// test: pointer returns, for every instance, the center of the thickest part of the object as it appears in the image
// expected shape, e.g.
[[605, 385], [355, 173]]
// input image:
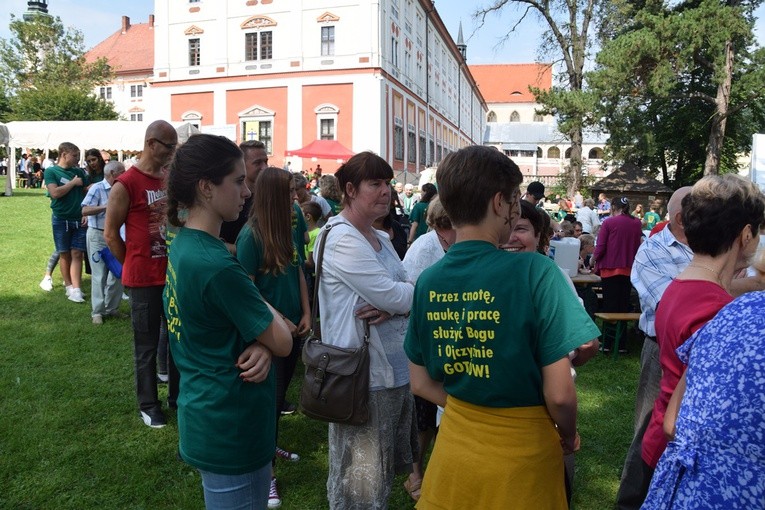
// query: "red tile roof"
[[130, 51], [509, 83]]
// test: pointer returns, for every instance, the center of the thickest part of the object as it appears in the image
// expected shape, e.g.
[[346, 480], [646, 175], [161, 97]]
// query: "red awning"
[[322, 149]]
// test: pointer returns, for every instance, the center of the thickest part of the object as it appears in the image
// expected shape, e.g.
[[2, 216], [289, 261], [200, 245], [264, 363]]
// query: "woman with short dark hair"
[[722, 217], [363, 279]]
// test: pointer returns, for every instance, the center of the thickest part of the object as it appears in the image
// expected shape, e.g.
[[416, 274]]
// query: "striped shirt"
[[658, 261], [98, 195]]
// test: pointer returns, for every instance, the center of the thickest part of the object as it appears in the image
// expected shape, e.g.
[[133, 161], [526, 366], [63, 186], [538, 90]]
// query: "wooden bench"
[[620, 320]]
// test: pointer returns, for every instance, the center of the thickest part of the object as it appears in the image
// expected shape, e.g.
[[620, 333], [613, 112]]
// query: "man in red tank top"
[[137, 200]]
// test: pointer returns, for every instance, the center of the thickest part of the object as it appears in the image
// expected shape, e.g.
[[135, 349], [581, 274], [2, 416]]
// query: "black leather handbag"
[[336, 383]]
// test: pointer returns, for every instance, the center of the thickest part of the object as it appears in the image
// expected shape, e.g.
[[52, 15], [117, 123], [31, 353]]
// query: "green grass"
[[70, 437]]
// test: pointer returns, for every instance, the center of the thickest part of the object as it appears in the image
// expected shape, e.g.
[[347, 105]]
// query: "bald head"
[[159, 128], [159, 146], [675, 205]]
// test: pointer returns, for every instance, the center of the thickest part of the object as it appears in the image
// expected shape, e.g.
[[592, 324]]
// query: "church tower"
[[35, 7]]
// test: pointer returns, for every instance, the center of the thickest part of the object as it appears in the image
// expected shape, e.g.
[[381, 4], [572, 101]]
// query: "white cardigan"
[[351, 273]]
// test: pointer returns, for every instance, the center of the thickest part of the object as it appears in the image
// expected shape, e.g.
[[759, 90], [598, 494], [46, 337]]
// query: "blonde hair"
[[436, 216]]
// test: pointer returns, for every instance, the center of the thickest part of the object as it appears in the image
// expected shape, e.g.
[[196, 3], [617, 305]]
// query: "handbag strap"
[[319, 259], [317, 279]]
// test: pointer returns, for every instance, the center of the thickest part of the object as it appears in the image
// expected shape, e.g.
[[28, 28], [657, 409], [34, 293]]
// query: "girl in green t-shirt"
[[222, 333], [266, 249]]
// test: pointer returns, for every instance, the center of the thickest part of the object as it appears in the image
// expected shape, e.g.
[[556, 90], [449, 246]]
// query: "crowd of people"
[[473, 330]]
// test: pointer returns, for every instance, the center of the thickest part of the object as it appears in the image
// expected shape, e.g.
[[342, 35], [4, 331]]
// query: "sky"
[[98, 19]]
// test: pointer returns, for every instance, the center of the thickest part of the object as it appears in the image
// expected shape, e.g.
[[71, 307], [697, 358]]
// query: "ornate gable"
[[193, 30], [258, 22], [327, 17], [256, 111]]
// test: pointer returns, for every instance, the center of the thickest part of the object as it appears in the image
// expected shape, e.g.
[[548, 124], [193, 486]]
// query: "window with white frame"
[[194, 52], [136, 117], [192, 117], [105, 92], [327, 41], [257, 123], [136, 91], [326, 121], [258, 45]]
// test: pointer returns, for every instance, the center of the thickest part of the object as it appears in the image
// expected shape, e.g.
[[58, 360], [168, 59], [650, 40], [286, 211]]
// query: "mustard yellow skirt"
[[494, 458]]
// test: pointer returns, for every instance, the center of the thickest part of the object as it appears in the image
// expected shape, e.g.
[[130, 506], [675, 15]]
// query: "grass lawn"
[[70, 436]]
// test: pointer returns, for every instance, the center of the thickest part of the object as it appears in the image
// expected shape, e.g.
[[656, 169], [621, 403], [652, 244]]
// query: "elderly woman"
[[330, 191], [364, 279], [510, 406], [721, 217], [720, 426], [426, 251]]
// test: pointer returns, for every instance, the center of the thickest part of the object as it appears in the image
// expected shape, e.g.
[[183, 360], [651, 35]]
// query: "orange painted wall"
[[340, 95], [201, 102], [274, 99]]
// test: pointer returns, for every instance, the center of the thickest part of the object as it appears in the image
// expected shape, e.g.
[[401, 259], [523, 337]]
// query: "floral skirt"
[[364, 459]]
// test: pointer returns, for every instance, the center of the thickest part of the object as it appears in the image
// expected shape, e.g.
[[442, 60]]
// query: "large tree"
[[681, 86], [42, 62], [567, 41]]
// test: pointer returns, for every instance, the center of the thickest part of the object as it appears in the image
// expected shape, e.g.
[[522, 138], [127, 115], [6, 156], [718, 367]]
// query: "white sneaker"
[[47, 284], [68, 290], [76, 296], [98, 319]]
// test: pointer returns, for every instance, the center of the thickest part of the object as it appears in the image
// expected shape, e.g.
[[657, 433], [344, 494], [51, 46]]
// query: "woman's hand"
[[570, 445], [254, 362], [372, 314], [304, 326]]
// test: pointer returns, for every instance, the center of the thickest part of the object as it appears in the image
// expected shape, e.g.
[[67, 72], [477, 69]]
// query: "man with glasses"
[[137, 200]]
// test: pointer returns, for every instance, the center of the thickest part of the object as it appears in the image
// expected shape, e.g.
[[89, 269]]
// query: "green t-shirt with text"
[[651, 219], [69, 206], [213, 310], [485, 322], [281, 290]]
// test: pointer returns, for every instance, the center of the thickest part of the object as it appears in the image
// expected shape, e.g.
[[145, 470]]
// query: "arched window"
[[515, 117], [553, 153], [568, 153], [538, 118], [492, 117], [595, 153], [539, 152]]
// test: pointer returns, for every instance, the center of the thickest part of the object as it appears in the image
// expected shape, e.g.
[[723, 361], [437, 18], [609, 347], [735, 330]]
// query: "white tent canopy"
[[109, 135]]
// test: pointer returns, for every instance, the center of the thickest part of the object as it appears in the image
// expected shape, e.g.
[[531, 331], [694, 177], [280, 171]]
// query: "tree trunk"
[[575, 162], [664, 170], [717, 132]]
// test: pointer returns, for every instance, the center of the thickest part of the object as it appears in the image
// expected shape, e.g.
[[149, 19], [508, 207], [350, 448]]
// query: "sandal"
[[413, 488]]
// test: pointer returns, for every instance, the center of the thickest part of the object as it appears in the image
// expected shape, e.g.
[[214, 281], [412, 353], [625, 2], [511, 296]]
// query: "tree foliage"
[[59, 103], [568, 41], [680, 87], [43, 63]]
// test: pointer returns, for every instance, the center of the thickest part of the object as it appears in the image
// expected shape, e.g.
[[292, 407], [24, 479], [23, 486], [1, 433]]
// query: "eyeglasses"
[[168, 146]]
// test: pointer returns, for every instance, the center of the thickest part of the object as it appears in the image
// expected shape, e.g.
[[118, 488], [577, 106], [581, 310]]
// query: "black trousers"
[[616, 293]]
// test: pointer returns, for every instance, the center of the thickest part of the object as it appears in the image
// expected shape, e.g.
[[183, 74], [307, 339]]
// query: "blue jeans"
[[68, 235], [237, 492]]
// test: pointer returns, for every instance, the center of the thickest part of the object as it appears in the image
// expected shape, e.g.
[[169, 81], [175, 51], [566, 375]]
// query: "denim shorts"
[[68, 235]]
